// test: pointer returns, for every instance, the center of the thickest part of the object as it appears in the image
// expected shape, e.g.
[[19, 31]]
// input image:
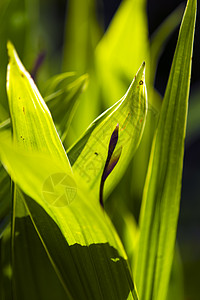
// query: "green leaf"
[[79, 239], [81, 229], [122, 49], [27, 247], [88, 155], [60, 90], [161, 198], [82, 33], [35, 130], [176, 285]]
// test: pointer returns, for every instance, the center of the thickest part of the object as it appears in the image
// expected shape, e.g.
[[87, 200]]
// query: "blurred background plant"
[[73, 36]]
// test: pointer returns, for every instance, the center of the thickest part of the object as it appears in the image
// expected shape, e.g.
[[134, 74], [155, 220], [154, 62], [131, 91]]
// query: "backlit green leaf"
[[122, 49], [31, 129], [80, 228], [79, 239], [161, 198], [88, 155]]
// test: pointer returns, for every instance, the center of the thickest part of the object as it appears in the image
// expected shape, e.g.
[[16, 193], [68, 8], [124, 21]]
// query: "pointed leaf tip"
[[11, 50], [111, 161], [113, 140]]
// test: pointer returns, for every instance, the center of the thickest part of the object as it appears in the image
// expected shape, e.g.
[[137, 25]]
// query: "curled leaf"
[[111, 161]]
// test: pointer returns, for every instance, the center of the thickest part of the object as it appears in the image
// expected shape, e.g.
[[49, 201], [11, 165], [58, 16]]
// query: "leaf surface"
[[79, 239], [161, 198], [88, 155]]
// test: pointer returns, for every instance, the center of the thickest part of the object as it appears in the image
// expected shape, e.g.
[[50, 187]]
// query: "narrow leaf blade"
[[161, 198]]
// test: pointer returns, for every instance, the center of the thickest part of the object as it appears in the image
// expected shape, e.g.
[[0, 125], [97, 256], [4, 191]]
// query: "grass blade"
[[160, 207]]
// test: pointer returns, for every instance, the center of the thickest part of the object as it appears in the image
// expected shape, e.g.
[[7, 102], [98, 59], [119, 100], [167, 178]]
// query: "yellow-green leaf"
[[88, 155], [161, 198]]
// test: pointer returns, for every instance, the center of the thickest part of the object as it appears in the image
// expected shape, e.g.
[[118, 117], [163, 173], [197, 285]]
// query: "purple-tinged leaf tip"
[[111, 161]]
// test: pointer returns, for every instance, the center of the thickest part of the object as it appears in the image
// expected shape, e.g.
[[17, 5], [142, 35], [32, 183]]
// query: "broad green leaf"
[[61, 88], [32, 160], [88, 155], [79, 239], [81, 228], [34, 130], [122, 49], [161, 198]]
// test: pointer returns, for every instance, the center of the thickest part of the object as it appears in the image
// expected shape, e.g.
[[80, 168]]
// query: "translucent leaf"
[[122, 49], [79, 239], [88, 155], [80, 228], [34, 130], [161, 198]]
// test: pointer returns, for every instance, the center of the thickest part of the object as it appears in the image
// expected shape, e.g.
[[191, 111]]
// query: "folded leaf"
[[89, 154]]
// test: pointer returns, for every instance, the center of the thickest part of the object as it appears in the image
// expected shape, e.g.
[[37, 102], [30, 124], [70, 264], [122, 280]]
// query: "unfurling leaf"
[[111, 161]]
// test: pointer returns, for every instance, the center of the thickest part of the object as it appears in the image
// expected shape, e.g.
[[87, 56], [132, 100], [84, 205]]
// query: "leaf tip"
[[10, 49], [111, 161]]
